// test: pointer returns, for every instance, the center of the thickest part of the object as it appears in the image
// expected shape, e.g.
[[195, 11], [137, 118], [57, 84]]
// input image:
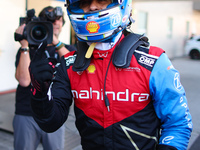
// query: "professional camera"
[[38, 29]]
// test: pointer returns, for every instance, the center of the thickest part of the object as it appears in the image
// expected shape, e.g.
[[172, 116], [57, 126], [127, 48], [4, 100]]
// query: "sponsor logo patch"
[[147, 60], [167, 139], [170, 67], [115, 20], [92, 27], [70, 60], [91, 68], [125, 18], [177, 82], [132, 69]]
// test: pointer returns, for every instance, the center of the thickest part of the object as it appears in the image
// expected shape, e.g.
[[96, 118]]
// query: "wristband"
[[59, 45]]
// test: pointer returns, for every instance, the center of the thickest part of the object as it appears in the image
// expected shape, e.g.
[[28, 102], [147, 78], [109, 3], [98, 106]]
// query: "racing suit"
[[147, 102]]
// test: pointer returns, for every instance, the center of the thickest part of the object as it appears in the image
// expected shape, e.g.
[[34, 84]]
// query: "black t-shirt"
[[22, 98]]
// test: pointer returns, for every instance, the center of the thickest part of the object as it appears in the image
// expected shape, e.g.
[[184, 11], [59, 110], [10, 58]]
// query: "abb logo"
[[116, 96]]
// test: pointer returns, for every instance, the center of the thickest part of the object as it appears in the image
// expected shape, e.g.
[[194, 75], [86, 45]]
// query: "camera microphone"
[[31, 13]]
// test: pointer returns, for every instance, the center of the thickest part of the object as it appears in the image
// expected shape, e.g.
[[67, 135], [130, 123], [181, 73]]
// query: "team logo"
[[91, 68], [92, 27], [115, 20], [177, 82]]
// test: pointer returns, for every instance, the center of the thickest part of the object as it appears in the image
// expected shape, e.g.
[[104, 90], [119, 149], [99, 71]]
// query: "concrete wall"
[[157, 25], [11, 11], [196, 5]]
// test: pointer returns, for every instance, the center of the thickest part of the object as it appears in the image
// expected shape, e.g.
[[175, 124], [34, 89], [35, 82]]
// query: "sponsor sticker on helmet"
[[125, 18], [115, 20], [92, 27]]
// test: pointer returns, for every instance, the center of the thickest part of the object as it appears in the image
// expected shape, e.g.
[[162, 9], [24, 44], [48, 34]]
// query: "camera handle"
[[18, 37]]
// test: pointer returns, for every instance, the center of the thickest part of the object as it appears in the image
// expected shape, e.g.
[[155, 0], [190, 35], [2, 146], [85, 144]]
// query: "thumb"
[[40, 51]]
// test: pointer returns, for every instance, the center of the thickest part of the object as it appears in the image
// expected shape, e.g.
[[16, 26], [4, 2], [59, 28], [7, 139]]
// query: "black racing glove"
[[41, 72]]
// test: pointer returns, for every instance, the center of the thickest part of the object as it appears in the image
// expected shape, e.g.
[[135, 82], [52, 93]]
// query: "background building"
[[167, 24]]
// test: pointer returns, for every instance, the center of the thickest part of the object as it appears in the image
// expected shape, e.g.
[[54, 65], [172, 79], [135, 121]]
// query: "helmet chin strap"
[[90, 50], [104, 45]]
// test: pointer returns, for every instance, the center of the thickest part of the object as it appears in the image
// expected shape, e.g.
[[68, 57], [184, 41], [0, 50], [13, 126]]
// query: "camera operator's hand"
[[41, 72], [19, 34]]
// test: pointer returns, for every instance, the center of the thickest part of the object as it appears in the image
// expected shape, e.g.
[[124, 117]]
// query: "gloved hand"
[[41, 72]]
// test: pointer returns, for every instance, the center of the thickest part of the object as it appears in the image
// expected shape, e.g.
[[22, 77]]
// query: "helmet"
[[102, 24]]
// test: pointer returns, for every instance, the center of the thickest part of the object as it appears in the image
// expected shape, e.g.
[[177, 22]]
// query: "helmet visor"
[[76, 6], [71, 1]]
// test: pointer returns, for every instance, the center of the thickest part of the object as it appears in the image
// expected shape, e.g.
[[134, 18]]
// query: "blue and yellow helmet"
[[99, 25]]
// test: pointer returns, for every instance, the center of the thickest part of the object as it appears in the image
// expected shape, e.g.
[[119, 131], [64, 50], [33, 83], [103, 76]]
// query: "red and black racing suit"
[[137, 112]]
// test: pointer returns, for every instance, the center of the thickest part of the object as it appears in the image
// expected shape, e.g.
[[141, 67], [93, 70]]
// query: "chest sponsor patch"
[[70, 60], [123, 104], [147, 60]]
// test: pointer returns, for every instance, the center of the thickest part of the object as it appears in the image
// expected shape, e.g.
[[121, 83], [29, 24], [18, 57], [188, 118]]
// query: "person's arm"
[[171, 106], [50, 110], [22, 73], [60, 47]]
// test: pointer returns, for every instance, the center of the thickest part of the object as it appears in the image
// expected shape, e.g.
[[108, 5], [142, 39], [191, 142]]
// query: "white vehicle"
[[192, 47]]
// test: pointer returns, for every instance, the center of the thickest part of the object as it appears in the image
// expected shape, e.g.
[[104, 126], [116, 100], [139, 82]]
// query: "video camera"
[[39, 29]]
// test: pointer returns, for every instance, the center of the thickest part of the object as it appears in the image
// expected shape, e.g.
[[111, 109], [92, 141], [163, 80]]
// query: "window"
[[170, 27], [187, 29], [142, 22]]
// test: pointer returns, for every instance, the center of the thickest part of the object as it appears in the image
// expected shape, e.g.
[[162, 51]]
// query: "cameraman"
[[27, 134]]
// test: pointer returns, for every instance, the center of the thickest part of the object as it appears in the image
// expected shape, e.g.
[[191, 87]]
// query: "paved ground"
[[7, 102], [190, 78]]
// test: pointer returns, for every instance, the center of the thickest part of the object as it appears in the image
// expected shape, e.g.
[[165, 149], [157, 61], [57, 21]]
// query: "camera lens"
[[39, 32]]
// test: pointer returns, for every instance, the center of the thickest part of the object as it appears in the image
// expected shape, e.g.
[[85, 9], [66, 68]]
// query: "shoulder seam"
[[149, 55]]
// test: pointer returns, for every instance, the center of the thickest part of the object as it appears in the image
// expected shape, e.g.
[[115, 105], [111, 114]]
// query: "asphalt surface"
[[190, 79], [7, 104]]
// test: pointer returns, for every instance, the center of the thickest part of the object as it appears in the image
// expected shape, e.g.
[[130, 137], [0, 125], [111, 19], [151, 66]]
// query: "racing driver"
[[127, 94]]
